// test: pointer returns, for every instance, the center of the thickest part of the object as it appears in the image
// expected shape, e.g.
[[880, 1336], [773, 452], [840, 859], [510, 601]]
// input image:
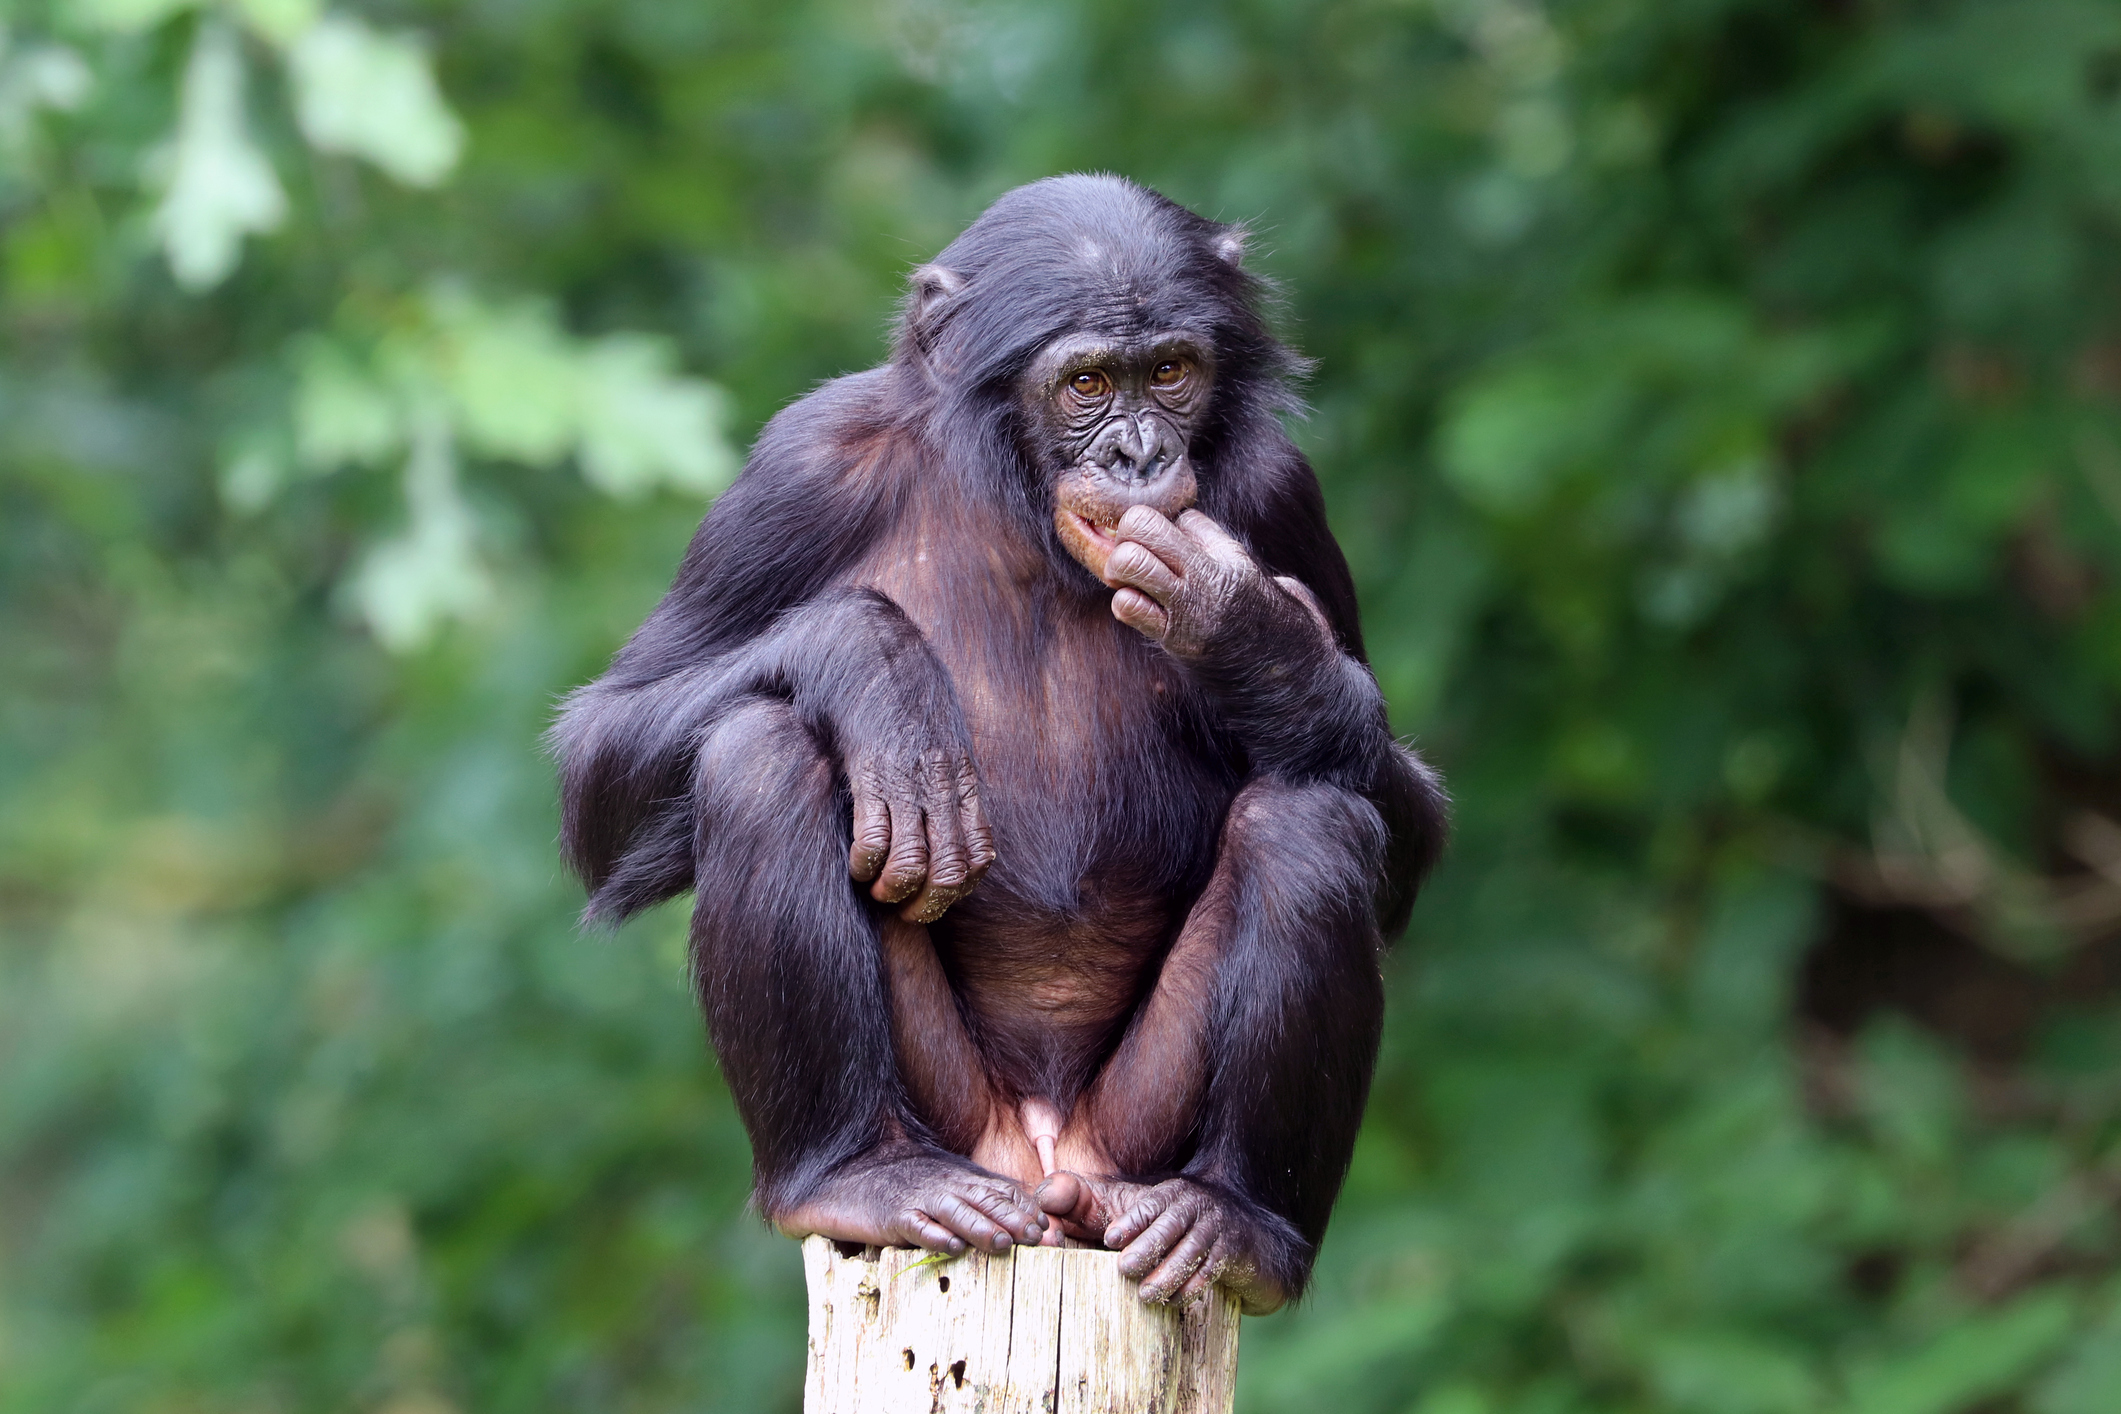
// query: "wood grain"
[[1043, 1330]]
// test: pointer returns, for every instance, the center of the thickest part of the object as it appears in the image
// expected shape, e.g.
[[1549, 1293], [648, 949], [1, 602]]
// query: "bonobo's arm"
[[865, 682], [755, 611], [1270, 655]]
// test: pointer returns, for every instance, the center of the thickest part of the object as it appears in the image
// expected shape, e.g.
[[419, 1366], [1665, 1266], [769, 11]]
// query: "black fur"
[[713, 753]]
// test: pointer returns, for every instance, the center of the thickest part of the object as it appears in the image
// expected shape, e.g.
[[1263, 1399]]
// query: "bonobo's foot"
[[1176, 1237], [919, 1200]]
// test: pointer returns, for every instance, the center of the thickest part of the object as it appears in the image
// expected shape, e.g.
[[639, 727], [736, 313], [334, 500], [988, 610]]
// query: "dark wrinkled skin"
[[1009, 723]]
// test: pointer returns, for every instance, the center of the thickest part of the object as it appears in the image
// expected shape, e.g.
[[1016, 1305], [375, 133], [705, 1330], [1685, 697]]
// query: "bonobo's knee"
[[1311, 848], [761, 762]]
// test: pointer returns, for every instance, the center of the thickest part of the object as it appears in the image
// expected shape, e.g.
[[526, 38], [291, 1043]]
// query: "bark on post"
[[1043, 1330]]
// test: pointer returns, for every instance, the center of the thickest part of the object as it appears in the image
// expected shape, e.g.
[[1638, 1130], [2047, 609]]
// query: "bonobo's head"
[[1112, 341], [1113, 421]]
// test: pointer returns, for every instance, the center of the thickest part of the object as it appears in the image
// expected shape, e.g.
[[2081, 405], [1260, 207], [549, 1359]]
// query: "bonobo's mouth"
[[1091, 543], [1087, 508]]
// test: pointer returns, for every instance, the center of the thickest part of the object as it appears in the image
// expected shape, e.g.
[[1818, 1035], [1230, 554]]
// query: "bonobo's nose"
[[1136, 452], [1137, 468]]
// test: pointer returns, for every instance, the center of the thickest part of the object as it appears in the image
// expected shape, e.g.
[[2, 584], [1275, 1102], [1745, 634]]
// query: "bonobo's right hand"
[[918, 829]]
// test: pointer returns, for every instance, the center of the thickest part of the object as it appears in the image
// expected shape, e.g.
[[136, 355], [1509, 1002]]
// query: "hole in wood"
[[909, 1357], [942, 1283], [849, 1250], [957, 1372]]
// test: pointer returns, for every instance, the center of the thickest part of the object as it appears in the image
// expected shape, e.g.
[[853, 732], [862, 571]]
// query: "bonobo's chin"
[[1087, 506]]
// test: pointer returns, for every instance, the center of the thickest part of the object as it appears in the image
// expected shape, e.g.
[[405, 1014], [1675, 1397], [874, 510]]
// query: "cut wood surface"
[[1043, 1330]]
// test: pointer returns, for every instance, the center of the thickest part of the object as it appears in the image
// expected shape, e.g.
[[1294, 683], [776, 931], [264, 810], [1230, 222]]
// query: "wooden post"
[[1043, 1330]]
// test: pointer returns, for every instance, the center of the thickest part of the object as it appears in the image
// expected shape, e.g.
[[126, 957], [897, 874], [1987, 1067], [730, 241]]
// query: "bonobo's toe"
[[1076, 1205]]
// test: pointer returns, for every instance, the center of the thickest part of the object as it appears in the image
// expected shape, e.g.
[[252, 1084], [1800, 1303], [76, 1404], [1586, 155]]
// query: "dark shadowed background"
[[1720, 403]]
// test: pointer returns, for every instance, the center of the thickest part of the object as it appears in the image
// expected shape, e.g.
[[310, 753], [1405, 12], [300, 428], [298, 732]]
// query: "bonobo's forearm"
[[1304, 710], [850, 662], [858, 670], [859, 675]]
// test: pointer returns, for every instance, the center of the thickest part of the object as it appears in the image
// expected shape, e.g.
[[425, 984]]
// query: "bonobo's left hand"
[[1195, 589]]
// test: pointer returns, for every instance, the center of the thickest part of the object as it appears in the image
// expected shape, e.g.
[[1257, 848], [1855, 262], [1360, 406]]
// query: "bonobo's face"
[[1112, 421]]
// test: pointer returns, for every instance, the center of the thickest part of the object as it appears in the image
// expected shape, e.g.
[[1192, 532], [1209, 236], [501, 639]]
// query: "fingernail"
[[1001, 1243]]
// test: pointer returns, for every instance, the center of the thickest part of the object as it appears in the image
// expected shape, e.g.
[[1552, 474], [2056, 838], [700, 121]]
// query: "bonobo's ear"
[[1230, 246], [933, 287]]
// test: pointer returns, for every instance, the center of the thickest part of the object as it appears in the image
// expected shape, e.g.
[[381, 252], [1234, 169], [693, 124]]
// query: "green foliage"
[[1720, 403]]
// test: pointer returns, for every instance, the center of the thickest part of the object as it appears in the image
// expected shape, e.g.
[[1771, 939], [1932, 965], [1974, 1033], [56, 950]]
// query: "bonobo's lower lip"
[[1099, 535], [1089, 542]]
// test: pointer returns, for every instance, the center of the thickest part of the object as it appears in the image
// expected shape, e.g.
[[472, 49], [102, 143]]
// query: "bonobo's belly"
[[1063, 938], [1104, 808]]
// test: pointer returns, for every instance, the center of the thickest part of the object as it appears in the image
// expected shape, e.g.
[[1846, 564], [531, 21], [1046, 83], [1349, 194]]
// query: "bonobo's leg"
[[1231, 1107], [791, 976]]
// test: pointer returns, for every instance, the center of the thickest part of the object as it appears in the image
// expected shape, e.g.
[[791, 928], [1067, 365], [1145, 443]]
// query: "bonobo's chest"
[[1100, 774]]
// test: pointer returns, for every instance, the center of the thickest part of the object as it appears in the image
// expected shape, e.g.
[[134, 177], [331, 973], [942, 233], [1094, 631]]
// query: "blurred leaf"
[[217, 187], [1968, 1363], [341, 413], [373, 96], [410, 585], [1726, 1374], [2088, 1379], [642, 426], [513, 377]]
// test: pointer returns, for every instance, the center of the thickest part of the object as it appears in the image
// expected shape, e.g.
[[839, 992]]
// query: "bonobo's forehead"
[[1087, 254]]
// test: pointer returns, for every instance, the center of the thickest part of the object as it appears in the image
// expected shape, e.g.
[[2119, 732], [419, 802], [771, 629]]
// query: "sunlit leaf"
[[125, 15], [411, 584], [514, 377], [217, 187], [643, 426], [373, 95], [279, 20], [342, 413]]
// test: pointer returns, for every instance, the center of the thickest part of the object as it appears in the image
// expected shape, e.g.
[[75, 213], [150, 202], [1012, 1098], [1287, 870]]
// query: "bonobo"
[[1009, 721]]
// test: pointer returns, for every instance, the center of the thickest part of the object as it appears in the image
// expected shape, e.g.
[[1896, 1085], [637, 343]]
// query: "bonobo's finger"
[[1147, 527], [1143, 1211], [906, 868], [1135, 564], [872, 832], [1155, 1242], [1198, 1284], [1185, 1258], [932, 902], [979, 840], [1008, 1209], [947, 873], [1203, 531], [969, 1223], [949, 860], [1141, 613], [921, 1230]]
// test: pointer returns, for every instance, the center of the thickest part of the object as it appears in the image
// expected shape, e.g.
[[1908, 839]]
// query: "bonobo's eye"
[[1090, 384], [1169, 374]]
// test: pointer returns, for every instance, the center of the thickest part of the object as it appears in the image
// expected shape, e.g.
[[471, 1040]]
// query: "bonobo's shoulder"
[[844, 421], [807, 502]]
